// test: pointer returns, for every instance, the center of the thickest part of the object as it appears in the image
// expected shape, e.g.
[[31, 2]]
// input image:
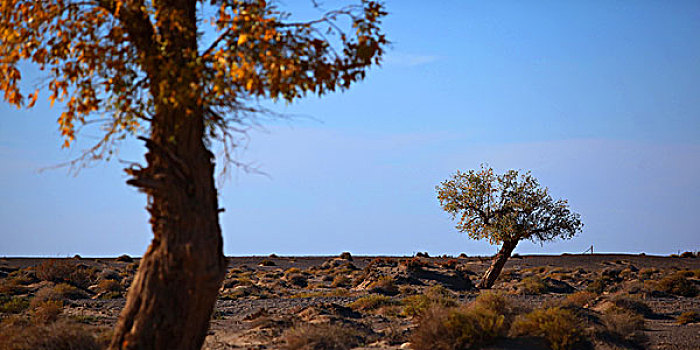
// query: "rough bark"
[[497, 264], [171, 299]]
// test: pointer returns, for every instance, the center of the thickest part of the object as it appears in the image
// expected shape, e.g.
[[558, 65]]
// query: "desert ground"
[[601, 301]]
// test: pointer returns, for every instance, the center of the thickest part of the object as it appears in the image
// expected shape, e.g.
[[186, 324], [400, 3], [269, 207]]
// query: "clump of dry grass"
[[341, 281], [688, 317], [58, 292], [532, 285], [677, 284], [65, 271], [384, 285], [321, 337], [20, 334], [631, 304], [47, 311], [372, 302], [580, 299], [109, 285], [623, 324], [13, 305], [559, 327], [442, 328]]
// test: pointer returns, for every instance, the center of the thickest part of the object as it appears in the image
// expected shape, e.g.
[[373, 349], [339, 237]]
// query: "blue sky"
[[600, 99]]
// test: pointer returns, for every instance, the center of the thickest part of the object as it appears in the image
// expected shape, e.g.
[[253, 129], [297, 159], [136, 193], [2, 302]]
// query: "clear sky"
[[600, 99]]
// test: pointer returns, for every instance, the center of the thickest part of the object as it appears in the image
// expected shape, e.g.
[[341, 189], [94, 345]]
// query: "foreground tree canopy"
[[505, 209], [179, 74]]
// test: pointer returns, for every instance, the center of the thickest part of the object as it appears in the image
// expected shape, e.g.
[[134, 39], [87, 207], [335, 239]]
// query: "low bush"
[[677, 284], [384, 285], [443, 328], [341, 281], [372, 302], [580, 299], [109, 285], [125, 258], [65, 271], [19, 335], [12, 286], [688, 255], [532, 285], [58, 292], [631, 304], [321, 337], [599, 285], [267, 262], [346, 256], [14, 305], [688, 317], [624, 324], [47, 311], [560, 328]]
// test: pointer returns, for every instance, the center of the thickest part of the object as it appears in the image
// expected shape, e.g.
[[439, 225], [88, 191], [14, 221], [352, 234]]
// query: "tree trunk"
[[170, 301], [497, 264]]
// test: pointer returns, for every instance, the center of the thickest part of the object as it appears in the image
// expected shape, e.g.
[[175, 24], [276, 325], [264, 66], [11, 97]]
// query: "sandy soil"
[[260, 304]]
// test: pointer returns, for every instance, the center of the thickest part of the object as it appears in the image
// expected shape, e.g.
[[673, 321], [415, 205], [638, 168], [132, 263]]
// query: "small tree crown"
[[506, 208]]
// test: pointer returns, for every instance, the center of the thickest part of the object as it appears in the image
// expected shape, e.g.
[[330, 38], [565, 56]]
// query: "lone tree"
[[182, 76], [505, 209]]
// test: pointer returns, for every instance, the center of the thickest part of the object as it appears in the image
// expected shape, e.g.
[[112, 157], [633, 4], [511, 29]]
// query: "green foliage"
[[559, 327], [508, 207]]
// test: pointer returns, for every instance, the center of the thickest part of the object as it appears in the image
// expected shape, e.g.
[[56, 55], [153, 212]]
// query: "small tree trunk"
[[497, 264]]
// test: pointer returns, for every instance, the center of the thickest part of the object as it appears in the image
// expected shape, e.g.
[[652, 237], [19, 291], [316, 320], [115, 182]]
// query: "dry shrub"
[[321, 337], [631, 304], [297, 280], [437, 295], [559, 327], [65, 271], [580, 299], [677, 284], [384, 285], [346, 256], [371, 302], [267, 262], [12, 286], [599, 285], [19, 335], [624, 324], [341, 281], [109, 285], [13, 305], [533, 285], [443, 328], [47, 311], [58, 292], [688, 317]]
